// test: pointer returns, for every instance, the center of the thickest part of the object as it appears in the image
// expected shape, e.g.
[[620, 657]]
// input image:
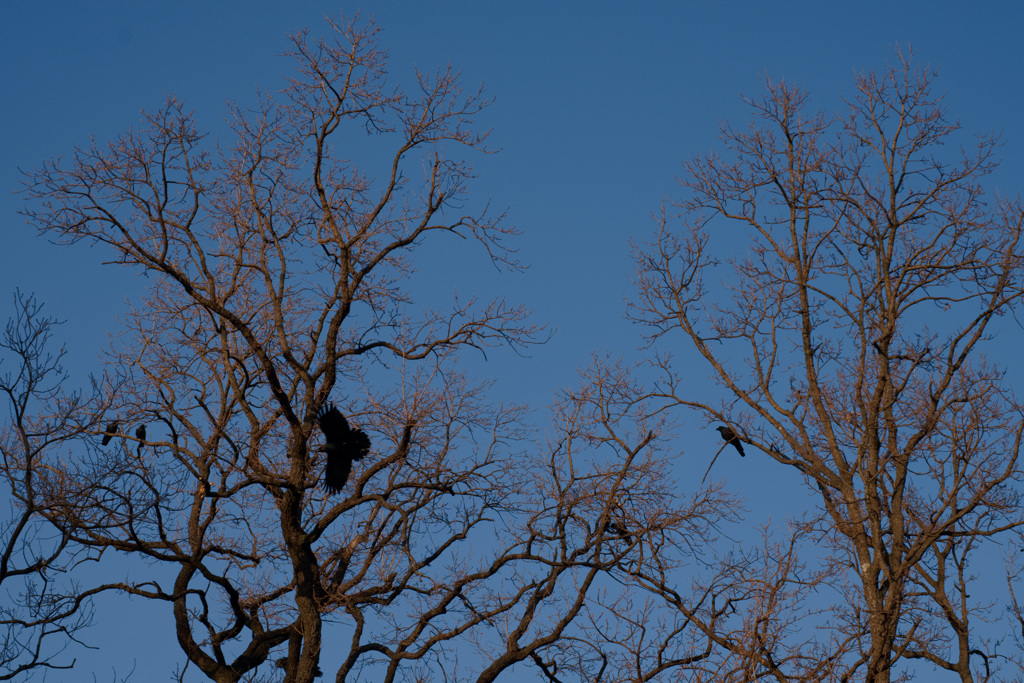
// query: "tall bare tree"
[[278, 273], [277, 265], [849, 339]]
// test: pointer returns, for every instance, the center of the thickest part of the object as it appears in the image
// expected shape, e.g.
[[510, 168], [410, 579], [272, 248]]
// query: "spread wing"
[[343, 445], [358, 444], [336, 473], [333, 424]]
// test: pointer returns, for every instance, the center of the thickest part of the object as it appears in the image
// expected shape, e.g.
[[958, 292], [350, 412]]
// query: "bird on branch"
[[140, 434], [730, 438], [343, 446], [112, 429], [618, 529]]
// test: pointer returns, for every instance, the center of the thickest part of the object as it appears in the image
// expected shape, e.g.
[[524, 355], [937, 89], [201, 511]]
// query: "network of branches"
[[286, 450]]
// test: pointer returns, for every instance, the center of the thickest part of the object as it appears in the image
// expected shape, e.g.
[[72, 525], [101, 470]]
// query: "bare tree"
[[278, 273], [277, 265], [42, 613], [849, 343], [610, 526]]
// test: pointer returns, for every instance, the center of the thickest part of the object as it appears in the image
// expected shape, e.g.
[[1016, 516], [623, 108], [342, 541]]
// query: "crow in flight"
[[730, 437], [140, 434], [342, 444], [112, 429]]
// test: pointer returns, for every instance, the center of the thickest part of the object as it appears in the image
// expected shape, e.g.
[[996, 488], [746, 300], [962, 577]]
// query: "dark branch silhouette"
[[343, 445], [112, 430], [983, 656], [730, 437], [548, 668], [282, 663]]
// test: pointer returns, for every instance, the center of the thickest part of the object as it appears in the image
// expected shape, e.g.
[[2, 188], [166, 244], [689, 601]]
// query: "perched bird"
[[112, 429], [342, 444], [140, 434], [618, 529], [730, 437]]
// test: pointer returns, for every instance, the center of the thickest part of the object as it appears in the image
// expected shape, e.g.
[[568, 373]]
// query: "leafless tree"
[[41, 614], [278, 272], [277, 265], [848, 341], [611, 517]]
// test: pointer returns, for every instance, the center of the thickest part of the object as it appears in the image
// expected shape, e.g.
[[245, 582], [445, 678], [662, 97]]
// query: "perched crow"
[[112, 429], [343, 445], [140, 434], [618, 529], [730, 437]]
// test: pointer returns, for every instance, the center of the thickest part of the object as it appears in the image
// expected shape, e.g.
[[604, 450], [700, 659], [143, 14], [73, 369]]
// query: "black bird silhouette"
[[140, 434], [730, 437], [112, 429], [618, 529], [343, 445]]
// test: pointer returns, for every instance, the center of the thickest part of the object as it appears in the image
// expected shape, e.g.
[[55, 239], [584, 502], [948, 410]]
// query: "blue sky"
[[596, 105]]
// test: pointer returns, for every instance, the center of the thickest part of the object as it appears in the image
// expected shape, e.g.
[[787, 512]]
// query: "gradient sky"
[[597, 103]]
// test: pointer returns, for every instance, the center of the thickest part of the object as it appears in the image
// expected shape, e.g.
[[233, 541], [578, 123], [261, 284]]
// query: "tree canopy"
[[308, 477]]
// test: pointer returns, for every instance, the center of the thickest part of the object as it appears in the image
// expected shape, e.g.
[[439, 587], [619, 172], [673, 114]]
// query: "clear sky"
[[596, 105]]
